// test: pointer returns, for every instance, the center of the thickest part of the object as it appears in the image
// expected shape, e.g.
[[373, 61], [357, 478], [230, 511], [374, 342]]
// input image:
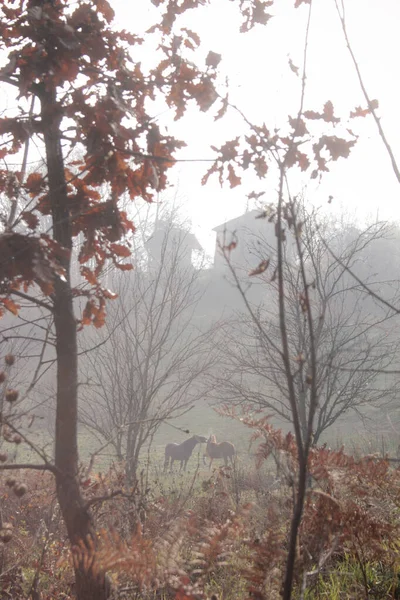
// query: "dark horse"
[[182, 451], [223, 450]]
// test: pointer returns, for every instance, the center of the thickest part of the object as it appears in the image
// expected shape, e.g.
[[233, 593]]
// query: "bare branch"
[[370, 104], [32, 299], [19, 466]]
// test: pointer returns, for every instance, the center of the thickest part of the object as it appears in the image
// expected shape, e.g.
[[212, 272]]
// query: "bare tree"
[[149, 369], [354, 338]]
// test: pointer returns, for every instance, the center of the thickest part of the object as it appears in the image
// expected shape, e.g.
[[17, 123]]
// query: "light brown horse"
[[182, 452], [223, 450]]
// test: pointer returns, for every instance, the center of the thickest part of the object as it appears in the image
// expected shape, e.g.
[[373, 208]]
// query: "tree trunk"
[[118, 448], [294, 532], [131, 455], [76, 516]]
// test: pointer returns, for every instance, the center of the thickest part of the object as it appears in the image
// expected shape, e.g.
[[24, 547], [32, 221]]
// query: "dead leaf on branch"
[[11, 306], [359, 112], [294, 156], [105, 216], [193, 36], [213, 169], [233, 179], [228, 151], [105, 9], [260, 166], [35, 184], [256, 196], [17, 130], [293, 67], [213, 59], [255, 14], [123, 266], [263, 266], [30, 219], [299, 127], [94, 313], [205, 94], [223, 109], [231, 246], [109, 294], [327, 114], [363, 112], [337, 148], [89, 275], [302, 161], [120, 250], [29, 258]]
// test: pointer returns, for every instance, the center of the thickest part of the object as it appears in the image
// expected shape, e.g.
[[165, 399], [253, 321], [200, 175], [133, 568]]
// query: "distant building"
[[173, 240], [249, 233]]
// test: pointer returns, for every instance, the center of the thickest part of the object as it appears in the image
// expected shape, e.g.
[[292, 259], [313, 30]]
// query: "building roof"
[[187, 238], [244, 219]]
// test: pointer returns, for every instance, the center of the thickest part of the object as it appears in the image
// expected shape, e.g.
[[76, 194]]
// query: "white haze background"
[[262, 85]]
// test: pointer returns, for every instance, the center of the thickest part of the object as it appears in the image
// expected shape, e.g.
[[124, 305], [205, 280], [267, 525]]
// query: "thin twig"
[[14, 201], [106, 497], [370, 104], [359, 281], [41, 467], [31, 299]]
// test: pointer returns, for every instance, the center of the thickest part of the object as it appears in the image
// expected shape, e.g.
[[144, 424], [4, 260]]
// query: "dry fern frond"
[[168, 552], [148, 565], [215, 547], [111, 553], [265, 565]]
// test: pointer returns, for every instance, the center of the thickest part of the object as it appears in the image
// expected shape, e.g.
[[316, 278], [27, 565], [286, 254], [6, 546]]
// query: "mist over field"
[[199, 300]]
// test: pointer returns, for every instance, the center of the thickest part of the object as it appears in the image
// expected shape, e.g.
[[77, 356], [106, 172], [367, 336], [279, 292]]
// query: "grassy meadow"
[[224, 530]]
